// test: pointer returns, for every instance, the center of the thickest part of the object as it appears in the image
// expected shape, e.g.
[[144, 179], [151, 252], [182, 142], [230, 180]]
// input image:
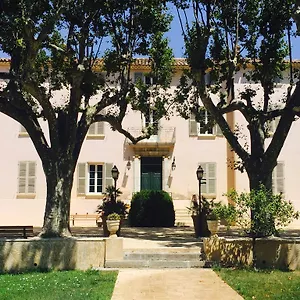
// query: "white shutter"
[[26, 177], [81, 175], [217, 130], [100, 128], [31, 177], [193, 126], [209, 185], [92, 129], [211, 178], [22, 129], [108, 178], [278, 178], [22, 177]]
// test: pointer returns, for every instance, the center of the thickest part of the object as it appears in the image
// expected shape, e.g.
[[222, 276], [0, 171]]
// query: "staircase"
[[183, 217], [157, 258]]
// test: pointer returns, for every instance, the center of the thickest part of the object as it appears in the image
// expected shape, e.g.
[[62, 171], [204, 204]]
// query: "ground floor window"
[[95, 179]]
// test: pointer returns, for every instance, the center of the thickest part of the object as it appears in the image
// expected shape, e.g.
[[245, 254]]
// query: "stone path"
[[170, 284]]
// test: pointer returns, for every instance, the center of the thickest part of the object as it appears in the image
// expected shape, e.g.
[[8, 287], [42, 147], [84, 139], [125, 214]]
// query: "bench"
[[16, 231], [85, 217]]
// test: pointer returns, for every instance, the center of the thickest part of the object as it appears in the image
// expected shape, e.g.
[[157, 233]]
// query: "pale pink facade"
[[177, 140]]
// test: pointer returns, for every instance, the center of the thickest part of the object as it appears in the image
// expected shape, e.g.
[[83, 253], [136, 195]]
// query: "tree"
[[56, 45], [222, 39]]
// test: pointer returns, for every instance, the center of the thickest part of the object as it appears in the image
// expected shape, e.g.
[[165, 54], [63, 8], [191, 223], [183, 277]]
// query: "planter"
[[113, 226], [105, 229], [213, 226], [197, 225]]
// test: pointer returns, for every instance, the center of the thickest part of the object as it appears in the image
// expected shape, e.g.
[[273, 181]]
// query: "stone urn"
[[113, 227], [213, 226]]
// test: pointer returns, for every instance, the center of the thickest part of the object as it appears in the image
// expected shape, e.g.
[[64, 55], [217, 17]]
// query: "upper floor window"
[[203, 125], [22, 131], [151, 119], [96, 131], [139, 76]]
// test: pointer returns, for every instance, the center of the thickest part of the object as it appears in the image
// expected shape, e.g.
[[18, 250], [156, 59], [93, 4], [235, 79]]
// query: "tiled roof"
[[142, 63]]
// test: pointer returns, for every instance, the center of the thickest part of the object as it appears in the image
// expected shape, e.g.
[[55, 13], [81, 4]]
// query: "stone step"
[[154, 264], [163, 256]]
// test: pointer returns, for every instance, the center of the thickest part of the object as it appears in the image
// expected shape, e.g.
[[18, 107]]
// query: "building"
[[168, 160]]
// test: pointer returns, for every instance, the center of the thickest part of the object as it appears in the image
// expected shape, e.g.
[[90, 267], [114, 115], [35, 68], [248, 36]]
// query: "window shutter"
[[31, 176], [209, 185], [211, 178], [108, 179], [193, 126], [81, 184], [278, 178], [217, 130], [22, 129], [100, 128], [92, 129], [138, 76], [22, 177]]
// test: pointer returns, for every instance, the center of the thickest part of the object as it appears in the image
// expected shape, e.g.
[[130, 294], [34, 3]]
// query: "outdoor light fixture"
[[128, 165], [173, 164], [115, 175], [199, 173]]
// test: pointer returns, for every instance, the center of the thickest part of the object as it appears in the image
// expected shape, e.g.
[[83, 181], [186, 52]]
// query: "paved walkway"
[[170, 284]]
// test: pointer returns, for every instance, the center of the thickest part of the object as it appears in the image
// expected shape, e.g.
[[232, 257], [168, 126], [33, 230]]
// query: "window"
[[139, 76], [278, 178], [27, 177], [93, 178], [210, 178], [96, 131], [272, 126], [203, 127], [151, 119]]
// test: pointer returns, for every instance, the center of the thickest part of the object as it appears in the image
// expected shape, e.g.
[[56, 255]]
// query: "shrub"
[[151, 209], [260, 213], [113, 217]]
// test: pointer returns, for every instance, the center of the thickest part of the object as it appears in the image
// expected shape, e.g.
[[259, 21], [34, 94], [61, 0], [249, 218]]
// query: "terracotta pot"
[[113, 226]]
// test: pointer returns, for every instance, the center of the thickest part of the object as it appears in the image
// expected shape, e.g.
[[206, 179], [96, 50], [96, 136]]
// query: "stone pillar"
[[136, 173], [165, 172]]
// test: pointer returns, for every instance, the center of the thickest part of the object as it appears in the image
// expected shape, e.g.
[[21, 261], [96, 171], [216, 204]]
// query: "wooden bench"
[[16, 231], [85, 217]]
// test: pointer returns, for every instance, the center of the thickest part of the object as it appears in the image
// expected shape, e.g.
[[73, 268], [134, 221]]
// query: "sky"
[[177, 44]]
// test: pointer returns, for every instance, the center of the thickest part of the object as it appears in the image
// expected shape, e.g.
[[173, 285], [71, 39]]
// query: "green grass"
[[257, 285], [58, 285]]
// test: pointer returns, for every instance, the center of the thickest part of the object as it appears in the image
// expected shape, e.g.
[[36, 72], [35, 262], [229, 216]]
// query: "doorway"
[[151, 173]]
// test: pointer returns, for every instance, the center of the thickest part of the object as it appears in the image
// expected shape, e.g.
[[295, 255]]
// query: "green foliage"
[[209, 207], [110, 206], [68, 285], [260, 213], [114, 216], [151, 209]]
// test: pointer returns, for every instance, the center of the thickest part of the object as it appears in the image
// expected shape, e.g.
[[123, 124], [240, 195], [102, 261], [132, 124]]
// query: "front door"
[[151, 173]]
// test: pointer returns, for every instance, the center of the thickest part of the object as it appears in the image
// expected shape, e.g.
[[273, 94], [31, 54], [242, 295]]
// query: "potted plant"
[[113, 224], [205, 216], [109, 206]]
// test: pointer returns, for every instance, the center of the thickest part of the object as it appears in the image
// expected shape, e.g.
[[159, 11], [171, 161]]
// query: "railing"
[[165, 135]]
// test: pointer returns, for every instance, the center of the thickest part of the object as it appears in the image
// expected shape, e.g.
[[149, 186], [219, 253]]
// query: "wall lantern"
[[173, 166]]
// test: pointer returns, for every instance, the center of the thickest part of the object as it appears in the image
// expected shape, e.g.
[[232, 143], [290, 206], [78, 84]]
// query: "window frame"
[[207, 178], [27, 193]]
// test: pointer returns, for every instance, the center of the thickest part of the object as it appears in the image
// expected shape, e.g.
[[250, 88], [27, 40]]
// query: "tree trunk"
[[59, 177]]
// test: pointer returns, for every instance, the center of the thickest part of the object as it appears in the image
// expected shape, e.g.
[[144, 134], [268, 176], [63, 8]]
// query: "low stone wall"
[[57, 253], [280, 253]]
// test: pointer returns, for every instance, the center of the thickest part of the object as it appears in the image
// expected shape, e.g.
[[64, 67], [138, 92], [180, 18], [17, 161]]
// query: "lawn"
[[58, 285], [253, 284]]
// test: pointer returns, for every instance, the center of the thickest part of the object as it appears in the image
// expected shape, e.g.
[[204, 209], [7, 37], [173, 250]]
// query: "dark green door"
[[151, 173]]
